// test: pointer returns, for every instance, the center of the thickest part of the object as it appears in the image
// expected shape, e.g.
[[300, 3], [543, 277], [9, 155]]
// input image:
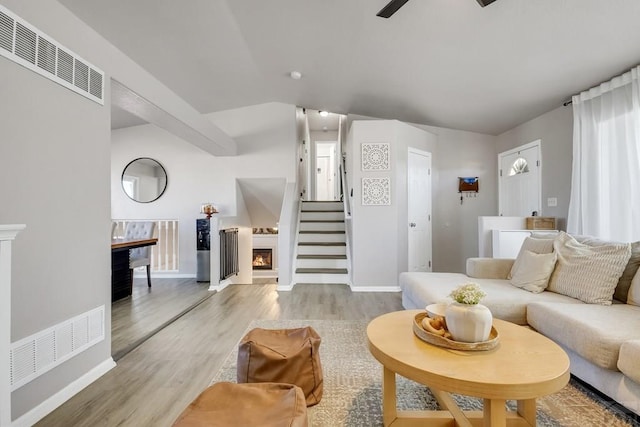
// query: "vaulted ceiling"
[[446, 63]]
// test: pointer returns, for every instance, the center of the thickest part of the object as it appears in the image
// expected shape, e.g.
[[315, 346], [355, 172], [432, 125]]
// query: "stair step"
[[321, 210], [322, 216], [321, 270], [321, 220], [322, 256], [321, 231], [315, 249], [319, 225], [316, 283], [322, 244]]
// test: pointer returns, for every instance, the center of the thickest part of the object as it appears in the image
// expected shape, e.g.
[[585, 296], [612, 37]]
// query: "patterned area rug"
[[353, 394]]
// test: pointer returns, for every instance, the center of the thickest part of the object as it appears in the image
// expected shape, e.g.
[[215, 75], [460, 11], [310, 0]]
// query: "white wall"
[[455, 225], [266, 137], [54, 177], [379, 242], [555, 130]]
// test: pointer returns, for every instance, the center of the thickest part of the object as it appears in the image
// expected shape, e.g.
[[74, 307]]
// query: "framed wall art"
[[376, 156], [376, 191]]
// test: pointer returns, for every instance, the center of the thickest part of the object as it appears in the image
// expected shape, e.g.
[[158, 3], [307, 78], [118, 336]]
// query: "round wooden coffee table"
[[523, 366]]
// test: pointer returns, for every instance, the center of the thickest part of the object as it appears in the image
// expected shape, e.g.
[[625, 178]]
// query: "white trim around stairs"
[[49, 405]]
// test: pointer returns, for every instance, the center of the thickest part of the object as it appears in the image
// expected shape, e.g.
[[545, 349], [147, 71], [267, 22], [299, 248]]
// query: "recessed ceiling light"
[[296, 75], [324, 113]]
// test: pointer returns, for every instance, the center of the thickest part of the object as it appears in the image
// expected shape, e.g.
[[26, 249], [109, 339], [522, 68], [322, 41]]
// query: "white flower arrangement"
[[469, 293]]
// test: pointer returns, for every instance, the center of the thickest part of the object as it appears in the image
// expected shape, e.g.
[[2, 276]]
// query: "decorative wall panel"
[[376, 191], [376, 156]]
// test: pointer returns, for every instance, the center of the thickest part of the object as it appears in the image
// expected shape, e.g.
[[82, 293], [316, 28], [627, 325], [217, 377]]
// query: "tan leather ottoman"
[[246, 405], [282, 356]]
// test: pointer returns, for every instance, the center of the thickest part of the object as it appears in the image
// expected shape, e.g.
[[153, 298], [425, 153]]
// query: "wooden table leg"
[[389, 403], [527, 410], [495, 413]]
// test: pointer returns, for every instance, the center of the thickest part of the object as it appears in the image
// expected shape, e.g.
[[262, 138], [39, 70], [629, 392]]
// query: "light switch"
[[552, 201]]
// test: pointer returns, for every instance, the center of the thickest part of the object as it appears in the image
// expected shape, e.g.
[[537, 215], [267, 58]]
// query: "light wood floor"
[[153, 383], [148, 310]]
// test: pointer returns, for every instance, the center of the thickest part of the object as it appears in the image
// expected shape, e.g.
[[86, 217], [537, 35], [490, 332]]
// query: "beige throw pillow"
[[534, 271], [622, 289], [633, 297], [588, 273], [537, 246]]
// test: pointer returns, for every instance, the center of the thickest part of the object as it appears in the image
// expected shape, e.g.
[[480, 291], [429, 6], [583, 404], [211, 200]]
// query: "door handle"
[[412, 224]]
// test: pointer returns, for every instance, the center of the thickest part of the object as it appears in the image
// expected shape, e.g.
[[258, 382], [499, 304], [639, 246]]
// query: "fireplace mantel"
[[7, 234]]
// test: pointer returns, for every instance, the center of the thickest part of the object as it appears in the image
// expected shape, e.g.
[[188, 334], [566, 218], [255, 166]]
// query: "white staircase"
[[322, 247]]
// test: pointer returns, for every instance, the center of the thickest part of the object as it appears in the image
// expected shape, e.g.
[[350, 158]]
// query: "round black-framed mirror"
[[144, 180]]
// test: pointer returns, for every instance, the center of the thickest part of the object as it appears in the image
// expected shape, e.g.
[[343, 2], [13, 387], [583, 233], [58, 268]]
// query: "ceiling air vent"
[[6, 32], [26, 45]]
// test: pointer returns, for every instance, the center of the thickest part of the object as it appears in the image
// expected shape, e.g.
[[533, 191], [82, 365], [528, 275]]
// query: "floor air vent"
[[29, 47], [34, 355]]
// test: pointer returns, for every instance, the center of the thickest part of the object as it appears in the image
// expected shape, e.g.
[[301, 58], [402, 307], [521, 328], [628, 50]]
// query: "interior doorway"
[[326, 170], [419, 210], [519, 181], [320, 154]]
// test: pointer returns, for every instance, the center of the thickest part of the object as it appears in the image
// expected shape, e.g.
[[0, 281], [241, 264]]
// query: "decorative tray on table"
[[441, 341]]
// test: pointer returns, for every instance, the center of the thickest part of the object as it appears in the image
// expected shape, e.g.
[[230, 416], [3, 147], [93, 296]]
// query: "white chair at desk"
[[139, 257]]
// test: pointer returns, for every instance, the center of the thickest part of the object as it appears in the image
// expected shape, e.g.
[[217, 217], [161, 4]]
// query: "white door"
[[326, 170], [519, 181], [323, 180], [419, 210]]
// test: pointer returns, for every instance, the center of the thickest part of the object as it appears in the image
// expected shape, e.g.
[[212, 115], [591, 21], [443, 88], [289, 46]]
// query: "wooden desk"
[[525, 365], [121, 274]]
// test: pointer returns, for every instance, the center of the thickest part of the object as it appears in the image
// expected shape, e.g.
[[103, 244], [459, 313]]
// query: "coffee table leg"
[[495, 413], [389, 404], [527, 410]]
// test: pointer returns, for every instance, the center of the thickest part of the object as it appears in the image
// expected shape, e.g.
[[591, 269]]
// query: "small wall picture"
[[468, 184], [376, 156], [376, 191]]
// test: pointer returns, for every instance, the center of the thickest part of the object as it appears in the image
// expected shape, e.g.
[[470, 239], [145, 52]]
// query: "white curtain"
[[605, 185]]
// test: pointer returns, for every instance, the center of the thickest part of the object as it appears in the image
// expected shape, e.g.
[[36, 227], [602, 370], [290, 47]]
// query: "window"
[[518, 167]]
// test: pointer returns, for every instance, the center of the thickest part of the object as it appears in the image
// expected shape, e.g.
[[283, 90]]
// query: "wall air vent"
[[39, 353], [26, 45]]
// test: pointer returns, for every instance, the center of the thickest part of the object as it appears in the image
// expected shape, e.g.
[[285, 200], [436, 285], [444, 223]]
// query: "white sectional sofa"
[[602, 341]]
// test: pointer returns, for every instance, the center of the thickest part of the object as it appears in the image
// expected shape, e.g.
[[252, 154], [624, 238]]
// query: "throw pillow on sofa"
[[630, 270], [588, 273], [537, 246], [633, 297], [534, 271]]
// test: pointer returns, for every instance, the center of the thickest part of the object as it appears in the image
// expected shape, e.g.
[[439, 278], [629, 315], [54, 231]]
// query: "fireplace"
[[262, 259]]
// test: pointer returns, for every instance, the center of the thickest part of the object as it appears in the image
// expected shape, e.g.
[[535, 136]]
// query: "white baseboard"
[[285, 288], [375, 288], [49, 405], [220, 286]]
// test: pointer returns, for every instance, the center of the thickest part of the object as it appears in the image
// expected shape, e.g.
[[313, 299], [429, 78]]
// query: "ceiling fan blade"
[[391, 8], [484, 3]]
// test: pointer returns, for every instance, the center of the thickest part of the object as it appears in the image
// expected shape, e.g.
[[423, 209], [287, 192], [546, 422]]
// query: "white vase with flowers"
[[467, 319]]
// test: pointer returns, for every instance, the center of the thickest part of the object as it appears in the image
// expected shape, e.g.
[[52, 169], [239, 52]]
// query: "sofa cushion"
[[588, 273], [505, 301], [628, 360], [489, 268], [538, 246], [633, 297], [593, 331], [630, 270], [534, 271]]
